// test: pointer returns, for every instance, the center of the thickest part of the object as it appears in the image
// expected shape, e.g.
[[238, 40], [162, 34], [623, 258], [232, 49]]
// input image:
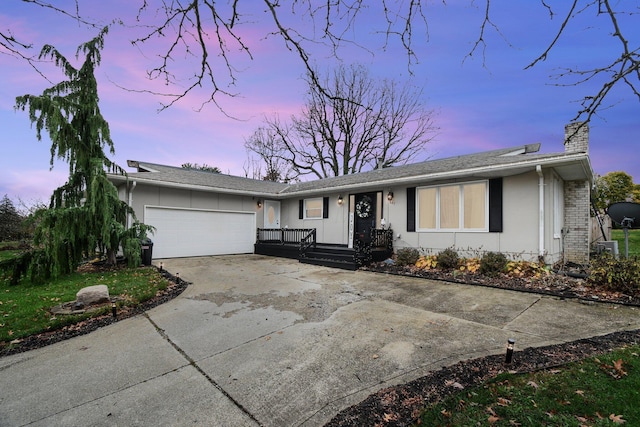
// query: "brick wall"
[[577, 222], [576, 137]]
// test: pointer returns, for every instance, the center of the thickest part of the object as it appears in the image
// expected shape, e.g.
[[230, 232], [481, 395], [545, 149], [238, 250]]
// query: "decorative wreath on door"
[[363, 207]]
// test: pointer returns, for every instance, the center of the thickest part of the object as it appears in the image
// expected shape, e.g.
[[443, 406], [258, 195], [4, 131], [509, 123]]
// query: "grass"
[[24, 308], [634, 241], [599, 391], [6, 254]]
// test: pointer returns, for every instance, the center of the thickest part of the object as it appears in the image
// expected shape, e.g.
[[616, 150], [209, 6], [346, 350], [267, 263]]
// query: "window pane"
[[474, 205], [313, 208], [427, 208], [450, 207]]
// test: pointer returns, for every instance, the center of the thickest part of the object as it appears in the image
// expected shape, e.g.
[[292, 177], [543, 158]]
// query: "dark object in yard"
[[146, 245], [509, 355]]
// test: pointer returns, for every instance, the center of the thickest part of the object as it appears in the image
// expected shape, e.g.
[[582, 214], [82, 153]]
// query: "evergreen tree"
[[85, 215], [10, 221]]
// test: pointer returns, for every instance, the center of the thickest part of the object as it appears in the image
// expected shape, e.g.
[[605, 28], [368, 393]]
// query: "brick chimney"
[[576, 199], [576, 137]]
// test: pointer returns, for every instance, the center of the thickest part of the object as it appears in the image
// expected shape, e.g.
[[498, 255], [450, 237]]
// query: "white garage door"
[[196, 232]]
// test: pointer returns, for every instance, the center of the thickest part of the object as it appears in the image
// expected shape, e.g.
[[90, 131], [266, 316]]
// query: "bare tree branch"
[[208, 35], [361, 125], [625, 69]]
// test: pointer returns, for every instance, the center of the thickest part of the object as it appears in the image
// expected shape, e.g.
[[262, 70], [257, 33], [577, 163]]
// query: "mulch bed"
[[401, 405]]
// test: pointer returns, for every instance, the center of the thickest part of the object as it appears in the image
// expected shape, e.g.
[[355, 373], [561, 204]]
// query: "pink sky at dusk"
[[478, 106]]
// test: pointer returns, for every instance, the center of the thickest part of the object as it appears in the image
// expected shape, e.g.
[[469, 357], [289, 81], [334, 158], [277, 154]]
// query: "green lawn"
[[24, 308], [634, 241], [600, 391]]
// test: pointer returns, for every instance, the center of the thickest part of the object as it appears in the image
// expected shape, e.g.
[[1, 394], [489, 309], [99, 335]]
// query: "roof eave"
[[581, 159]]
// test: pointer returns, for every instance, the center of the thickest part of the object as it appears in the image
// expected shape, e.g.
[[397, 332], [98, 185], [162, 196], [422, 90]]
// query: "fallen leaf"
[[503, 402], [580, 392], [493, 419], [446, 413], [533, 384], [491, 411], [450, 383], [389, 417], [617, 365], [267, 338], [617, 419], [375, 356], [514, 423]]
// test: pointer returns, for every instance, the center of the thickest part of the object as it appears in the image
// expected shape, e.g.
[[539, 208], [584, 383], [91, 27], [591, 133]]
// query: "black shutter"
[[411, 209], [301, 209], [495, 205], [325, 207]]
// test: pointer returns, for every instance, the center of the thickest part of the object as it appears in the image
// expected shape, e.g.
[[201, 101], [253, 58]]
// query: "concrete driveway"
[[261, 341]]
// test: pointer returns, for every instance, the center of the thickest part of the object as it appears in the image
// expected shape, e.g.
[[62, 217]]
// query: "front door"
[[271, 214], [365, 215]]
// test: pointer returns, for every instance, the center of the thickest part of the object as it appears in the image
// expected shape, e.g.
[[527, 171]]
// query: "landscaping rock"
[[93, 295]]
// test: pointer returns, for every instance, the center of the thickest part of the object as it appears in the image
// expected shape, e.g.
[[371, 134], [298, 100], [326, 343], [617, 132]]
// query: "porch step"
[[337, 256], [333, 263]]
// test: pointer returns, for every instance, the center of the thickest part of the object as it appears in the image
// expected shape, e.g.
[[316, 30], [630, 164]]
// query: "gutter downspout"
[[130, 203], [541, 213]]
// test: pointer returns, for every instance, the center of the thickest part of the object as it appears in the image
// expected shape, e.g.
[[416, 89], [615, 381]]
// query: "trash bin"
[[147, 251]]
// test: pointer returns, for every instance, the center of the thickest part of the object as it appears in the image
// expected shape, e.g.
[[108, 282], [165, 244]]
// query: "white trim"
[[558, 206], [541, 210], [563, 159]]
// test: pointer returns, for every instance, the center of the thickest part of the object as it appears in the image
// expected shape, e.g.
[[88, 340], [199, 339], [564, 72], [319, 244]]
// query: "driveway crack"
[[521, 313], [201, 371]]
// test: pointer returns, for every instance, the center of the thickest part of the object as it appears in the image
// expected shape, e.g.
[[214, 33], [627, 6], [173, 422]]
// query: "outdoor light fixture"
[[340, 200], [509, 356], [113, 309], [161, 266], [259, 204], [178, 278], [390, 196]]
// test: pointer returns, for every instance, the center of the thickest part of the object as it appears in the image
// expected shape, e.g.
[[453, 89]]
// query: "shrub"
[[448, 259], [407, 256], [616, 274], [493, 263], [526, 269], [470, 265], [427, 262]]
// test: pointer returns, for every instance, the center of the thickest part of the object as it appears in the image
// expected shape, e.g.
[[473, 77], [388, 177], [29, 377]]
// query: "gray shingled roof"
[[493, 163]]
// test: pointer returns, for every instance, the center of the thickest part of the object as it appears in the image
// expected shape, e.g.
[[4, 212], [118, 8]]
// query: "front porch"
[[301, 244]]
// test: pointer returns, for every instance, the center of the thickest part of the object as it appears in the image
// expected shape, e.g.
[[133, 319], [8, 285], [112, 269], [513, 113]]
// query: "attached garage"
[[183, 232]]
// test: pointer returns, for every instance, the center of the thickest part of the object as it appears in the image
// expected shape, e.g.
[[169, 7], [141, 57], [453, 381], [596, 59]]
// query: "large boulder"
[[92, 295]]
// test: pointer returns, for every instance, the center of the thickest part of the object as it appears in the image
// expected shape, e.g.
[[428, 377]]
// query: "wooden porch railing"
[[307, 242], [305, 239], [379, 239], [283, 235]]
